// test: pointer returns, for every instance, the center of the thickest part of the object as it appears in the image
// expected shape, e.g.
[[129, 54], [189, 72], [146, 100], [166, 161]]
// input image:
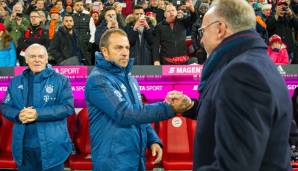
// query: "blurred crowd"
[[160, 32]]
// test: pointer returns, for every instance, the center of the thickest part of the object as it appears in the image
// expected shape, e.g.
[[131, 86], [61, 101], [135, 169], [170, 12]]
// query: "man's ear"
[[104, 52]]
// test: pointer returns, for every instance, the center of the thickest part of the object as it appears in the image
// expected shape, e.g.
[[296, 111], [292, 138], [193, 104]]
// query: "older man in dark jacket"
[[244, 112]]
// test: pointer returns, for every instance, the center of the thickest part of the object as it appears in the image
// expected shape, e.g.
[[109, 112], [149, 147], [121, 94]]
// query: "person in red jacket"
[[277, 50]]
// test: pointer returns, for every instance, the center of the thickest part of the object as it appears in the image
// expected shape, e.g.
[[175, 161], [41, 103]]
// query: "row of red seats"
[[176, 135]]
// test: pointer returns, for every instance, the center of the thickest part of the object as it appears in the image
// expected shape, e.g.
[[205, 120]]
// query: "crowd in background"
[[157, 29]]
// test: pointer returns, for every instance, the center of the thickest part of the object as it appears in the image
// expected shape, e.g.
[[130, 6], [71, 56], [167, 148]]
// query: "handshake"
[[179, 101]]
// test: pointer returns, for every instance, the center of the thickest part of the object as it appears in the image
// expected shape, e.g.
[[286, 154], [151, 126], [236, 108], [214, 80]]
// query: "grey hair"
[[238, 14], [37, 46]]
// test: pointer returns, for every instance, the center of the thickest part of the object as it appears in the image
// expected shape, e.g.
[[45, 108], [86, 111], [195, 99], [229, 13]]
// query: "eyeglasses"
[[203, 29]]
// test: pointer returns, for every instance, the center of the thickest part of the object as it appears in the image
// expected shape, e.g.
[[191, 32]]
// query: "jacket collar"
[[111, 66], [47, 72], [229, 49]]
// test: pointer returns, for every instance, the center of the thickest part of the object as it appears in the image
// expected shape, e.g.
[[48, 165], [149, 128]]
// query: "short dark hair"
[[76, 1], [136, 7], [67, 15], [104, 40]]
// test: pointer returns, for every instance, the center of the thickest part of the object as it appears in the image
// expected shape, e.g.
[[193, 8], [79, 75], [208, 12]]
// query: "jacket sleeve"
[[102, 94], [12, 54], [9, 108], [152, 136], [64, 108], [294, 21], [148, 34], [132, 35], [192, 113], [194, 35], [54, 49], [242, 126], [271, 25], [99, 31], [156, 43]]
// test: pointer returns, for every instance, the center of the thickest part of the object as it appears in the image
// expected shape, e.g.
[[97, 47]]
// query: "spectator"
[[64, 49], [17, 23], [3, 14], [54, 23], [283, 23], [120, 16], [159, 13], [95, 15], [110, 20], [85, 30], [140, 35], [200, 52], [59, 5], [7, 48], [261, 19], [38, 102], [294, 6], [68, 9], [109, 3], [277, 50], [40, 5], [43, 18], [35, 33], [169, 45], [161, 5]]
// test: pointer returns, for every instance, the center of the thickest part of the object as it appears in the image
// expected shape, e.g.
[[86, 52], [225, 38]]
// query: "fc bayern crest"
[[49, 89]]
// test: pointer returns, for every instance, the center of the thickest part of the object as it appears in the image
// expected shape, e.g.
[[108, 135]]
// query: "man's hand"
[[137, 25], [156, 63], [144, 23], [156, 149], [189, 6], [28, 115], [179, 101]]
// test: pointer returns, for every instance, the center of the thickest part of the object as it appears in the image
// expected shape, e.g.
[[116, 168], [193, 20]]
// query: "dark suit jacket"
[[244, 114]]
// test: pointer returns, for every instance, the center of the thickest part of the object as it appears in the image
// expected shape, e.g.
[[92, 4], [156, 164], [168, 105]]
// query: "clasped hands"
[[179, 101], [27, 115]]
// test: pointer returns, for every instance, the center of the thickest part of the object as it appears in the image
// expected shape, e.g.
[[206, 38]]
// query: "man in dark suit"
[[244, 111]]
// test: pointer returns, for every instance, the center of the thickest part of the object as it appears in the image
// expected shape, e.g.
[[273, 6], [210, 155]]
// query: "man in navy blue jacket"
[[244, 111], [38, 102], [118, 119]]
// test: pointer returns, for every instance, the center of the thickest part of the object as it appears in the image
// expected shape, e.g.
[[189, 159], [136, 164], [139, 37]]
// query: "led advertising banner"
[[155, 82]]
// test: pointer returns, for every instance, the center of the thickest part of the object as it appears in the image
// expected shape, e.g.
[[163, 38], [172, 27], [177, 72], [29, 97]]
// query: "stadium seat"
[[6, 159], [82, 159], [177, 137], [71, 125]]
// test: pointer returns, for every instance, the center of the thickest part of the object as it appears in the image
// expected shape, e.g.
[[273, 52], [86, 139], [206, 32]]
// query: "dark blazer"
[[244, 113]]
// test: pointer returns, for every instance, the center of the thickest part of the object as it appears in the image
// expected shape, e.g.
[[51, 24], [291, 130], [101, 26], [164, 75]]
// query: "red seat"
[[6, 159], [71, 125], [190, 50], [82, 160], [176, 135]]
